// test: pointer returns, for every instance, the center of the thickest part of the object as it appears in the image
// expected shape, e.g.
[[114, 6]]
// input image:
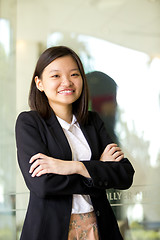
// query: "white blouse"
[[80, 152]]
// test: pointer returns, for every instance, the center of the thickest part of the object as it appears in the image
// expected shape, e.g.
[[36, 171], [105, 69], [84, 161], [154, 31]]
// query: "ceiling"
[[131, 23]]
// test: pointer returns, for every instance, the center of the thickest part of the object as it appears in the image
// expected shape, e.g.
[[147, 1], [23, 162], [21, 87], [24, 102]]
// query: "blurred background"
[[118, 42]]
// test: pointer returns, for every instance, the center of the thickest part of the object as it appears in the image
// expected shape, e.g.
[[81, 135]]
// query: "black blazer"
[[50, 203]]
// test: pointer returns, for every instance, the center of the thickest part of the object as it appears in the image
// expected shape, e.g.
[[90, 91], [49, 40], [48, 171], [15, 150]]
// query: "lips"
[[66, 91]]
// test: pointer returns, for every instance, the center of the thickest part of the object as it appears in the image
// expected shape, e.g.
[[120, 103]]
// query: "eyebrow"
[[56, 70]]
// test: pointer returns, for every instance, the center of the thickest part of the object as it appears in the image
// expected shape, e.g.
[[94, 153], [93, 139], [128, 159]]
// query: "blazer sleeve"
[[30, 142], [109, 174]]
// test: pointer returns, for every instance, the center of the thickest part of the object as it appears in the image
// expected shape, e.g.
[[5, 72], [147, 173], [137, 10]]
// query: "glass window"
[[7, 120]]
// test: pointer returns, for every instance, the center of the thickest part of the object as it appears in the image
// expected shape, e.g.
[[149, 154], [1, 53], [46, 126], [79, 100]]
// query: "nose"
[[66, 81]]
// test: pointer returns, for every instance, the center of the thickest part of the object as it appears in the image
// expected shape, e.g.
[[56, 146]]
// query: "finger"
[[35, 165], [117, 154], [110, 146], [37, 171], [36, 156], [119, 158], [114, 149], [44, 171], [107, 160]]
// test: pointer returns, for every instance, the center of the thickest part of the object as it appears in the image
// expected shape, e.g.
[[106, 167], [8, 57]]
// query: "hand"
[[42, 164], [112, 153]]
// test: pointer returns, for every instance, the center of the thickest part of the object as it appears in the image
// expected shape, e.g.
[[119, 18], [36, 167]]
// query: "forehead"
[[62, 63]]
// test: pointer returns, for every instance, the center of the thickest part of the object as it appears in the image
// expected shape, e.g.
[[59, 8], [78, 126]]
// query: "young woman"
[[66, 156]]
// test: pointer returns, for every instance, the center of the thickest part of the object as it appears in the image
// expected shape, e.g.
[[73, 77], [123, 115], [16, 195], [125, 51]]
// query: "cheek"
[[80, 85], [48, 91], [49, 87]]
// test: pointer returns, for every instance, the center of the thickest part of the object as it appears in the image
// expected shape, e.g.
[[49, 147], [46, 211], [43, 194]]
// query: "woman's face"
[[61, 81]]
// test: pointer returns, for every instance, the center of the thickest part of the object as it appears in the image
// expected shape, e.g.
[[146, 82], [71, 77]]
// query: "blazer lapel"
[[59, 137], [91, 137]]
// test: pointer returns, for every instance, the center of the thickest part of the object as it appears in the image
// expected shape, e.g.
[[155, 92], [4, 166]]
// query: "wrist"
[[81, 169], [78, 167]]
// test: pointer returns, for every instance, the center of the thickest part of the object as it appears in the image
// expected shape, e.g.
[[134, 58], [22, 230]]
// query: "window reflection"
[[103, 91], [5, 35]]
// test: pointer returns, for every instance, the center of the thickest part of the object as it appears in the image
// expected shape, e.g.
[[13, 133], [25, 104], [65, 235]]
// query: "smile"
[[66, 91]]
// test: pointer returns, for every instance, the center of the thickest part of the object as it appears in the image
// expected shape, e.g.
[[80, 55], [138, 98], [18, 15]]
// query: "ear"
[[39, 84]]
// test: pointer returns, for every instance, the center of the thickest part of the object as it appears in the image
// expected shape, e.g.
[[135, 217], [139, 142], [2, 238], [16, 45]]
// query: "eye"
[[75, 74], [55, 76]]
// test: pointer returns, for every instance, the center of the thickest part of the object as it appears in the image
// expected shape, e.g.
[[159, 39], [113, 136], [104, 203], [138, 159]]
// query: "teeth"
[[66, 91]]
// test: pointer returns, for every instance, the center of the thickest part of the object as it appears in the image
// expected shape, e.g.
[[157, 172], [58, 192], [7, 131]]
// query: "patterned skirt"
[[83, 227]]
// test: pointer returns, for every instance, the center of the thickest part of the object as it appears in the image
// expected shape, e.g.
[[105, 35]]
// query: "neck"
[[64, 113]]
